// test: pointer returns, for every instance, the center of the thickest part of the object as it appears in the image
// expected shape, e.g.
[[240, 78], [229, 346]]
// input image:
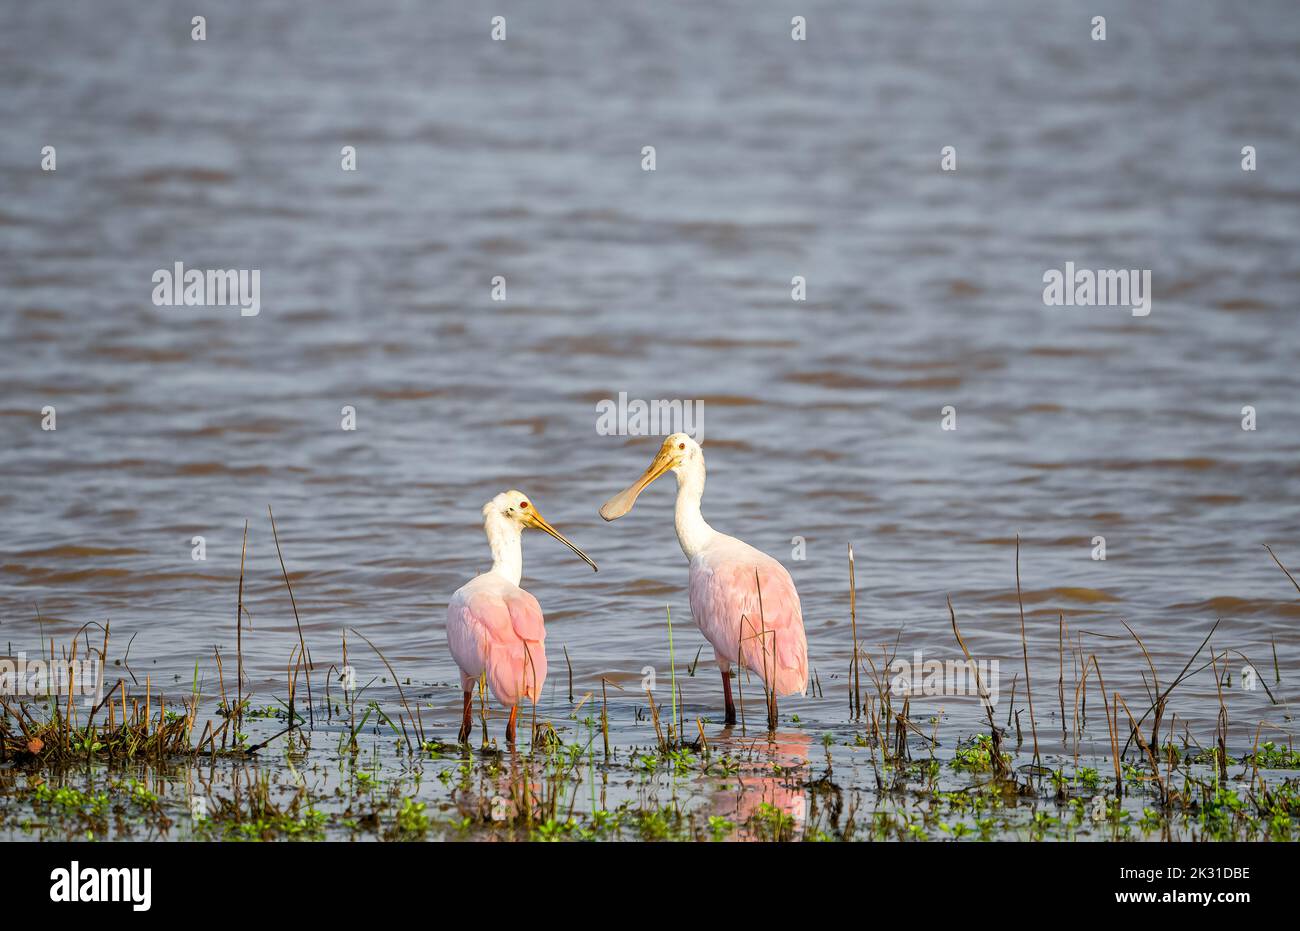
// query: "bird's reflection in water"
[[766, 798]]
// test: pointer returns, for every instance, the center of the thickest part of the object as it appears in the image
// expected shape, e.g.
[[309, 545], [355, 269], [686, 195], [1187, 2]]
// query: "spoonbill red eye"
[[523, 504], [681, 445]]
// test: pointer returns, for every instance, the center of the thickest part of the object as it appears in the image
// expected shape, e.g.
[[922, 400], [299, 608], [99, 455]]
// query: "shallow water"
[[822, 418], [743, 784]]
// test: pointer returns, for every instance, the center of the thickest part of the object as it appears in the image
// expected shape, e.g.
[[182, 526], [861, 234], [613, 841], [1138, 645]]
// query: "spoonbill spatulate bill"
[[743, 600], [493, 625]]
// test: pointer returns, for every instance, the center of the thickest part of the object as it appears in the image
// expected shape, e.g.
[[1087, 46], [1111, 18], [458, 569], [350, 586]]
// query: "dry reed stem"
[[1164, 696], [1024, 646], [1282, 567], [998, 763], [855, 685], [239, 637], [1147, 748], [1221, 728], [1112, 725], [302, 642], [604, 712], [654, 715]]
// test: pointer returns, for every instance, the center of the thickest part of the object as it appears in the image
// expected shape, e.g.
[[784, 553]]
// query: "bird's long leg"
[[465, 722], [510, 725], [726, 693]]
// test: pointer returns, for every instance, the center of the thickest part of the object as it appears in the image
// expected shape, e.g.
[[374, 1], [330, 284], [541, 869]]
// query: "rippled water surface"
[[822, 418]]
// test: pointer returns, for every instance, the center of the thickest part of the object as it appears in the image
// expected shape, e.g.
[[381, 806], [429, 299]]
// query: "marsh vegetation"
[[343, 759]]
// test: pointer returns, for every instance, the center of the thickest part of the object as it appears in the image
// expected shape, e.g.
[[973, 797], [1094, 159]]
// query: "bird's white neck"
[[693, 532], [507, 550]]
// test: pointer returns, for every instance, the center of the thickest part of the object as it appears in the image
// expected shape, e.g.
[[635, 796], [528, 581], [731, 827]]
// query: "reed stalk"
[[1024, 647], [302, 641], [855, 685]]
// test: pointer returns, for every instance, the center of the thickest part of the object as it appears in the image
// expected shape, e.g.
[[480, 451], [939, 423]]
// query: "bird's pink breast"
[[502, 634]]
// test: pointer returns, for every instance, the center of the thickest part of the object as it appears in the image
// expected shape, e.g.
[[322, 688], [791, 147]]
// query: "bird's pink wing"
[[467, 638], [506, 633], [771, 642], [526, 616]]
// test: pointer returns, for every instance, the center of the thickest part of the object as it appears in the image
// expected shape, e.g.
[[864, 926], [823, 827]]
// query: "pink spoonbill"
[[493, 625], [743, 600]]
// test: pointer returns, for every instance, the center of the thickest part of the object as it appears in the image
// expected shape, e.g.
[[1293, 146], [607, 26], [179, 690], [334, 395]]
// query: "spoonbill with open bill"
[[743, 600]]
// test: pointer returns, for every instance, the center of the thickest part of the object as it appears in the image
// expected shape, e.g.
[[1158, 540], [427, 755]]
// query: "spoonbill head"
[[679, 454], [743, 600], [494, 627]]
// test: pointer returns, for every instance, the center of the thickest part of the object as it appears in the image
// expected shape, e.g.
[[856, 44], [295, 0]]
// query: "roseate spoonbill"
[[493, 625], [743, 600]]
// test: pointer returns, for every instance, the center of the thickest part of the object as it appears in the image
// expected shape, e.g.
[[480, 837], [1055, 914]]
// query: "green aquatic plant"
[[71, 801], [1271, 756], [977, 755], [411, 820], [768, 822], [1208, 756], [720, 827], [956, 830]]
